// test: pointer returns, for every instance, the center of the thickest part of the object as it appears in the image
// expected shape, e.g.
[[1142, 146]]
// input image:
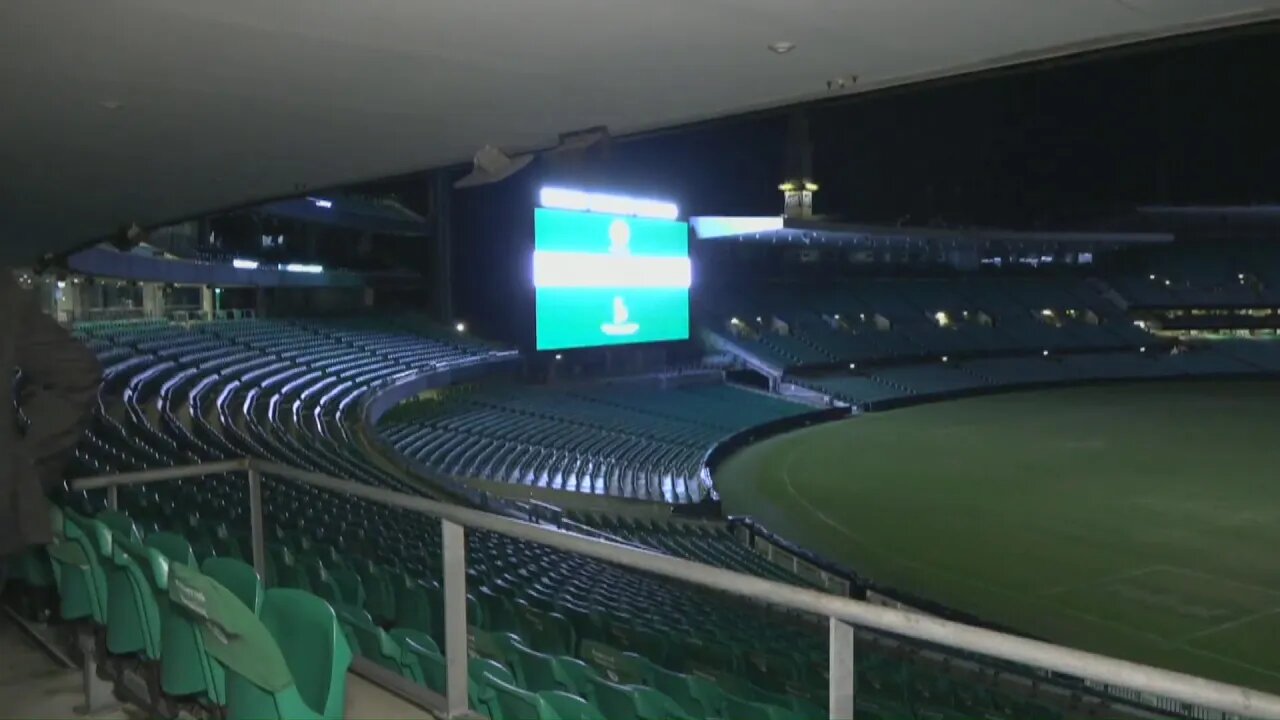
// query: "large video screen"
[[605, 279]]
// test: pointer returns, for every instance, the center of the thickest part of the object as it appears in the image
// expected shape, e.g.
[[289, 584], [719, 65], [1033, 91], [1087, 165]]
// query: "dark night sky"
[[1054, 146], [1195, 121], [1192, 123]]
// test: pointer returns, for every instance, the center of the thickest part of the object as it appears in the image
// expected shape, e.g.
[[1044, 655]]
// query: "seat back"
[[653, 704], [679, 688], [536, 671], [569, 707], [547, 632], [617, 702], [142, 574], [617, 666], [737, 707], [579, 676], [237, 577], [186, 667], [371, 641], [317, 654], [258, 676], [511, 702], [82, 579]]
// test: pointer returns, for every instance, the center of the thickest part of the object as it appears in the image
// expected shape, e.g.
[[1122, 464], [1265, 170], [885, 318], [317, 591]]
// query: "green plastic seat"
[[350, 586], [634, 702], [615, 665], [289, 663], [418, 606], [119, 522], [77, 553], [284, 569], [578, 676], [508, 702], [402, 636], [186, 667], [420, 657], [537, 671], [545, 632], [319, 580], [380, 598], [145, 566], [371, 641], [694, 695], [492, 645], [479, 667], [569, 707], [737, 707]]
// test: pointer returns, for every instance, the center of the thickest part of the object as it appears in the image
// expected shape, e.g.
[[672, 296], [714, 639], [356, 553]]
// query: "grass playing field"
[[1141, 521]]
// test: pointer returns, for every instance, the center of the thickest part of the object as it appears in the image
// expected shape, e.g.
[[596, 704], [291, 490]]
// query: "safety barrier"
[[842, 614]]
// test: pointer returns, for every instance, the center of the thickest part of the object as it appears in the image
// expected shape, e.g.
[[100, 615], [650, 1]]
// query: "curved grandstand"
[[393, 401]]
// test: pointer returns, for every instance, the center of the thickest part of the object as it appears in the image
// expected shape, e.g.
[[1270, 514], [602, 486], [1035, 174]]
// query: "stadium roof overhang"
[[149, 111], [809, 232], [352, 213]]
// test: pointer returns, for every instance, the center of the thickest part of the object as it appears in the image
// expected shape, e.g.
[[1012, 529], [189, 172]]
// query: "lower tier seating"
[[875, 388], [633, 439]]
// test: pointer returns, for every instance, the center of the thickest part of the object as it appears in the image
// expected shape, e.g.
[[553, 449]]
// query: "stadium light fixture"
[[1153, 277], [853, 366], [567, 199], [836, 316], [1045, 353], [1142, 349], [759, 319], [734, 321], [460, 327], [302, 268], [945, 358], [242, 264], [559, 356], [322, 203]]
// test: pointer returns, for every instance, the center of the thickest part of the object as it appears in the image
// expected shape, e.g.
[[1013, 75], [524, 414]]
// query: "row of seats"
[[890, 386], [204, 635], [789, 326], [1188, 275], [627, 439]]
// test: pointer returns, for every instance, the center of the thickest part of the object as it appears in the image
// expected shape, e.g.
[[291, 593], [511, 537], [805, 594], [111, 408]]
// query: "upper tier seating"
[[1202, 276], [878, 388], [884, 320], [630, 440]]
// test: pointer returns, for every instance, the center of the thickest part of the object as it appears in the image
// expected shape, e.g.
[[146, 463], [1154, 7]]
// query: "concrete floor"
[[32, 685]]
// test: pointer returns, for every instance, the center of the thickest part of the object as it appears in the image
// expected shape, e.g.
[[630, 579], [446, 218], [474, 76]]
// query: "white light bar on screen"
[[241, 264], [321, 202], [592, 270], [302, 268], [566, 199]]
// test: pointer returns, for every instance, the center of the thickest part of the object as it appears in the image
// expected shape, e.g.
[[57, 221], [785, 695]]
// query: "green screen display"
[[604, 279]]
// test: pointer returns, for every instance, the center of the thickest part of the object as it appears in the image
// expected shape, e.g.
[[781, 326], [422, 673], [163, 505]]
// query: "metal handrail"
[[842, 612]]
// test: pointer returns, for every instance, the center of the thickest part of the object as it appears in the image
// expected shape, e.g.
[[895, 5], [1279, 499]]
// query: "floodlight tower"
[[799, 187]]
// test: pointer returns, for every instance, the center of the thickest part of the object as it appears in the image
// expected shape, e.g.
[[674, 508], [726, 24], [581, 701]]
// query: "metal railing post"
[[840, 671], [113, 497], [257, 535], [454, 549]]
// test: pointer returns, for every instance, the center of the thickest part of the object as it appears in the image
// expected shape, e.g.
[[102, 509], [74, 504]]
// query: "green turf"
[[1141, 521]]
